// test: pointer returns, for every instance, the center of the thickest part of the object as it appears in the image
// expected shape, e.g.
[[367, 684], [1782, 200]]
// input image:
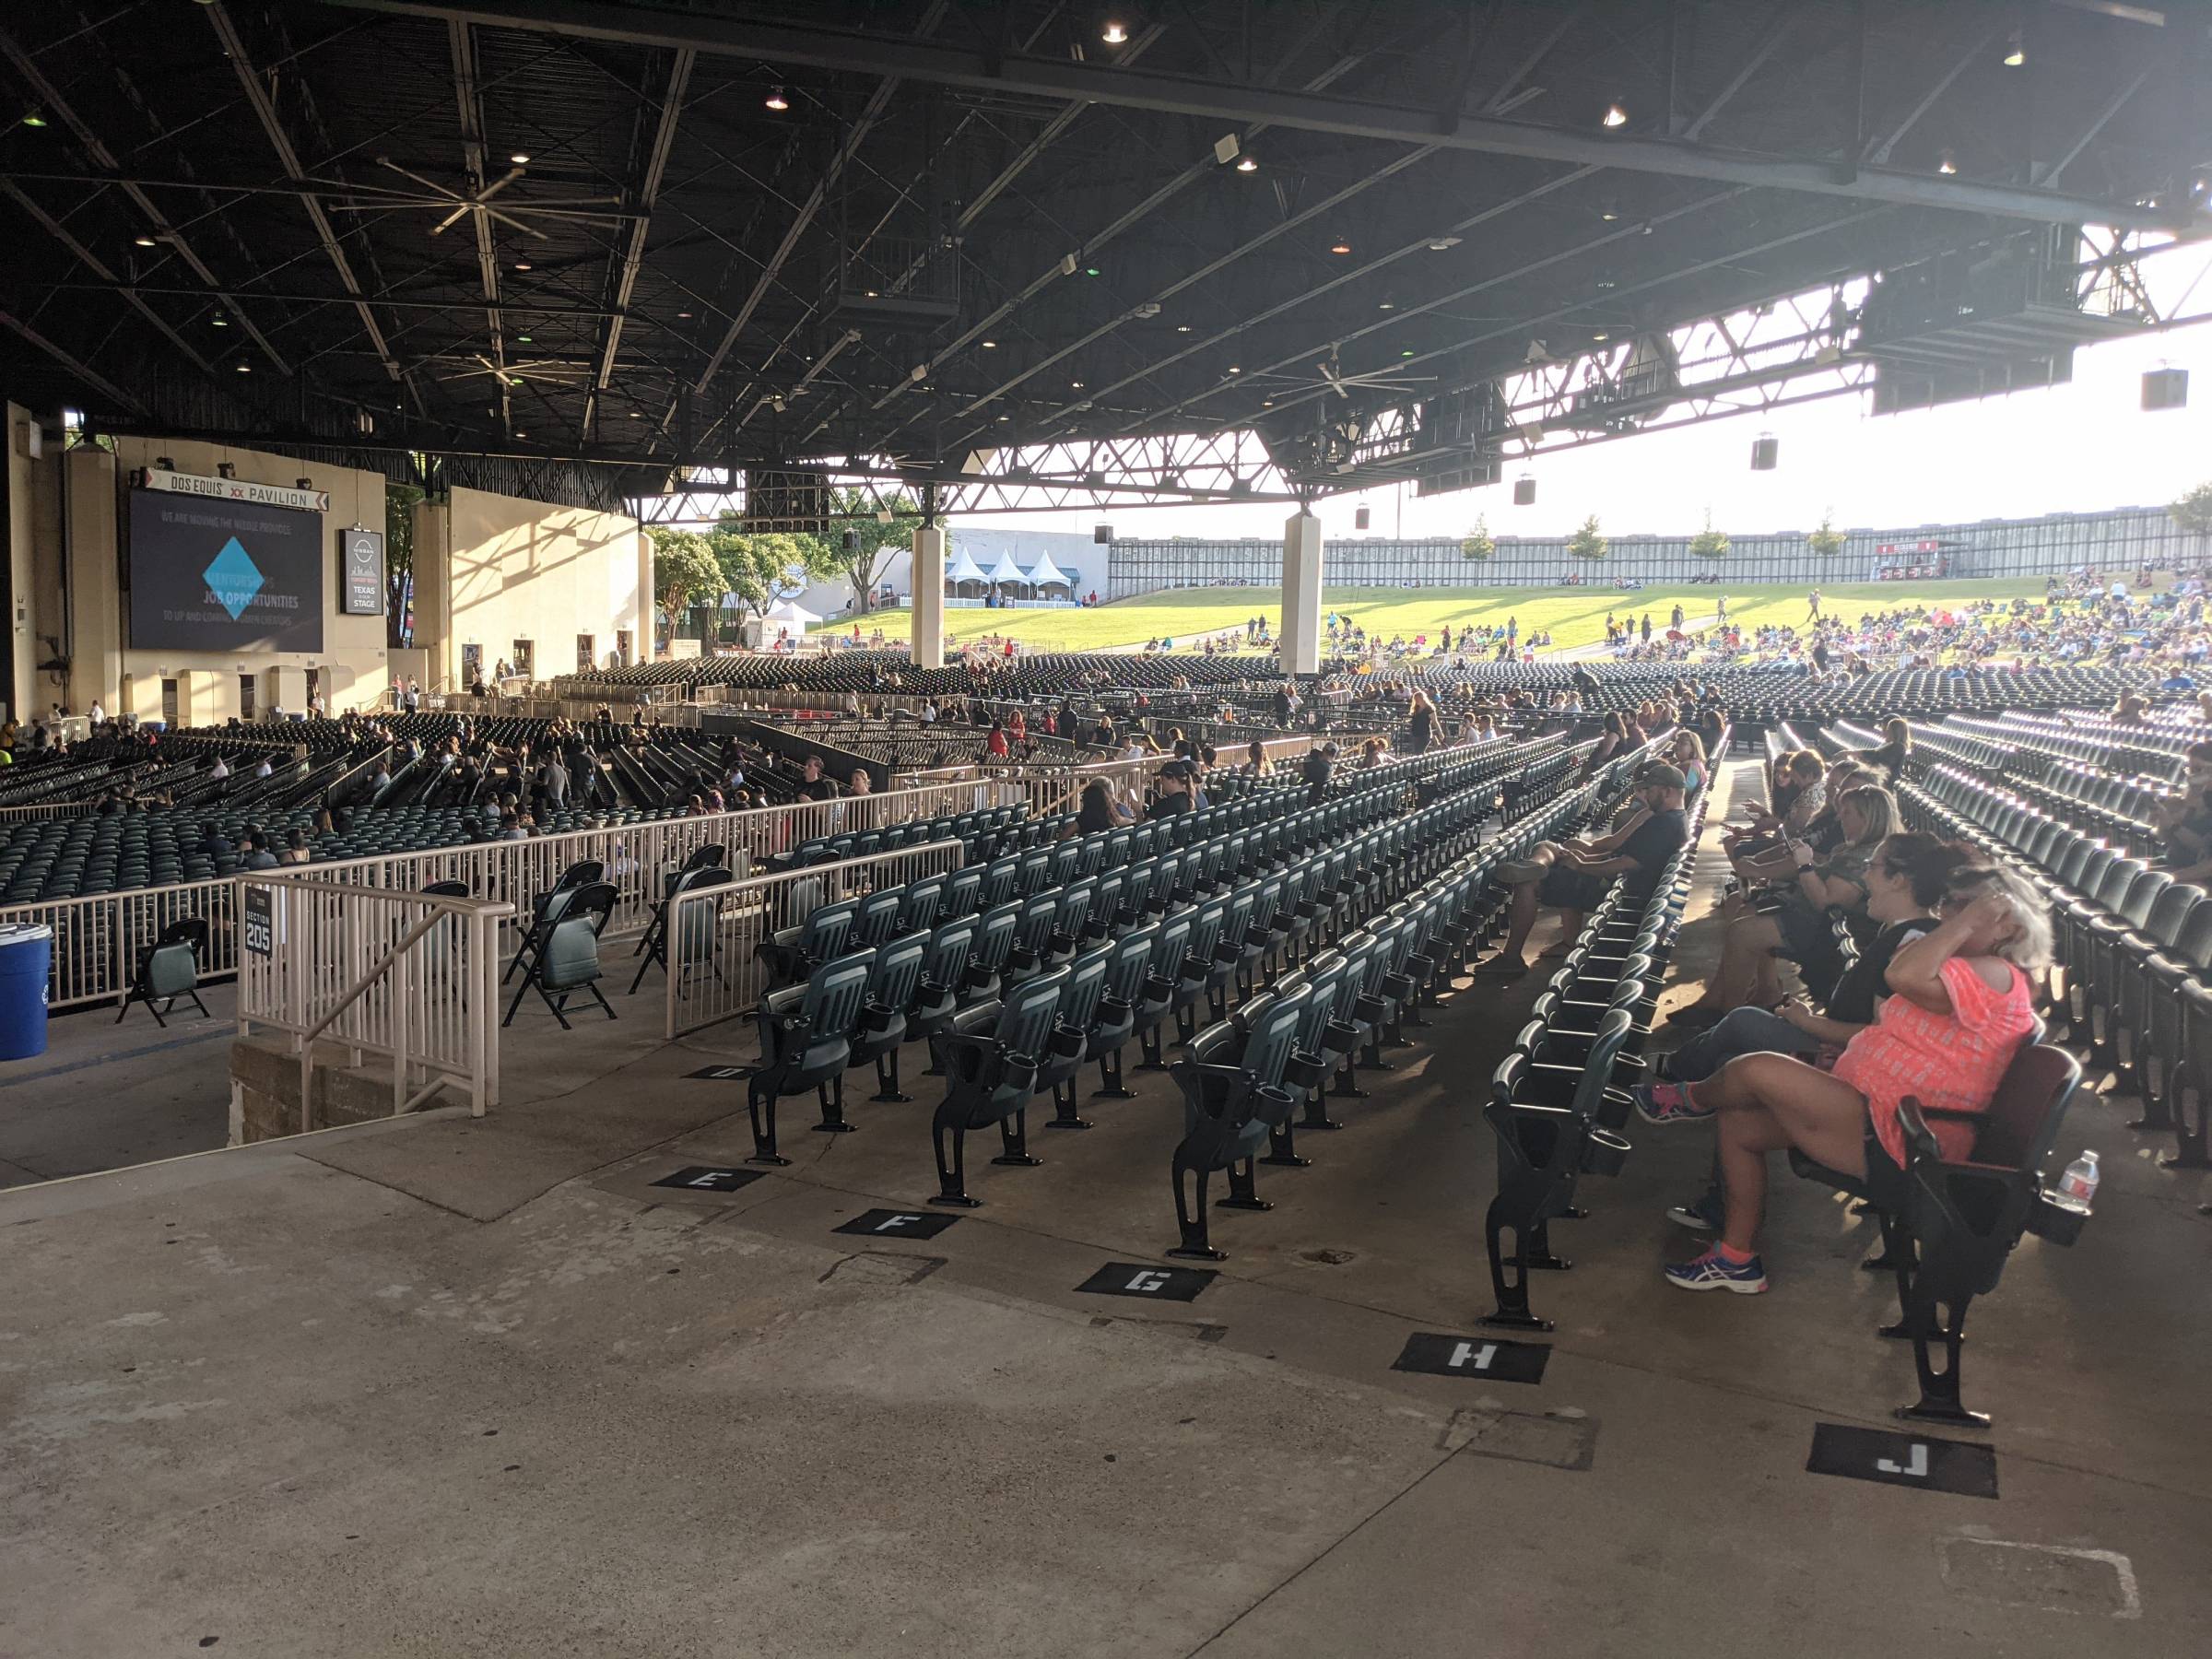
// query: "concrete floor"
[[448, 1387]]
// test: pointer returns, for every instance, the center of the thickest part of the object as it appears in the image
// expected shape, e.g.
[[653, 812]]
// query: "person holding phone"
[[1797, 926]]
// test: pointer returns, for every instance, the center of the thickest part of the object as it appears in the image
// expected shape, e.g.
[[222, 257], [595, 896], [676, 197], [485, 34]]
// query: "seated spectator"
[[1797, 926], [1963, 1008], [1895, 748], [1687, 753], [1610, 742], [257, 854], [813, 786], [1907, 888], [1775, 862], [1172, 793], [1794, 797], [2183, 819], [1575, 875], [295, 848]]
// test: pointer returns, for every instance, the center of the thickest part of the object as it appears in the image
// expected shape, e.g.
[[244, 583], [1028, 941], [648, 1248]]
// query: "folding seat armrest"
[[975, 976], [1305, 1071], [1112, 1010], [1369, 1008], [1338, 1036], [1225, 952], [1158, 986], [1066, 1043], [1399, 985], [875, 1015]]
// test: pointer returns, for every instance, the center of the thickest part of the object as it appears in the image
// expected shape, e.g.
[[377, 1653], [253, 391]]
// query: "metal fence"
[[47, 809], [98, 939], [2122, 539], [407, 978], [713, 933]]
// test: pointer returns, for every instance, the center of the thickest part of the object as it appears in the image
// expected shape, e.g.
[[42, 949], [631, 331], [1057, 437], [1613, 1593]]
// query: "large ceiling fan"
[[1334, 378]]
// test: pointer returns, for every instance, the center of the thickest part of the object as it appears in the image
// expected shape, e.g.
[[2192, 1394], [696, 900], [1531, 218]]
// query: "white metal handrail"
[[97, 938], [713, 933], [411, 978]]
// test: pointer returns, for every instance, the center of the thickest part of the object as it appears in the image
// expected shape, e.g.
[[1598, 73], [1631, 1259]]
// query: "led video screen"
[[214, 575]]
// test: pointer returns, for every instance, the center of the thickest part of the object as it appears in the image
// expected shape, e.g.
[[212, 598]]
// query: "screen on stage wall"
[[214, 575]]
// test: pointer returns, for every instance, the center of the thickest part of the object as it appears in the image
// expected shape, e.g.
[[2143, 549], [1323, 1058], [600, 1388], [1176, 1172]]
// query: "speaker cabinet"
[[2165, 388], [1764, 450], [1525, 492], [1102, 534]]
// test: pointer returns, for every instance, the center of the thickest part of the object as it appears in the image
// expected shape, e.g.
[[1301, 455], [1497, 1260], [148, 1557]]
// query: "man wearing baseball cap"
[[1574, 875]]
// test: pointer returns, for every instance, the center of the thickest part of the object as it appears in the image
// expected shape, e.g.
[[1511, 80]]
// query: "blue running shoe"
[[1709, 1272], [1666, 1103]]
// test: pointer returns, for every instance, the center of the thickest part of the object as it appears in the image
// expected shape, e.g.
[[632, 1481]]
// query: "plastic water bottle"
[[2079, 1182]]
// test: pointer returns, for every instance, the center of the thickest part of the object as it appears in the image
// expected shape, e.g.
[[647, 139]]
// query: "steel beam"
[[859, 52], [265, 110], [49, 97], [90, 376], [91, 261], [633, 256]]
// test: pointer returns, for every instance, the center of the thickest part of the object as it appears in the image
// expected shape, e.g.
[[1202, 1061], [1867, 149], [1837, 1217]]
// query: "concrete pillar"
[[1300, 633], [929, 597]]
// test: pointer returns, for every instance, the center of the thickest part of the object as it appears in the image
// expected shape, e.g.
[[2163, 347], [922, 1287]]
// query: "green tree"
[[2192, 512], [1826, 541], [1587, 542], [875, 540], [1710, 542], [761, 567], [400, 501], [685, 573], [1478, 543]]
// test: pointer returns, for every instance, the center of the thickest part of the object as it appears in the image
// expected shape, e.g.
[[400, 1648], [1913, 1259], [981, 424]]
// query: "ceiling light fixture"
[[1406, 353], [1090, 270], [635, 415], [1441, 244], [221, 322], [1116, 32], [776, 100], [989, 345], [522, 265], [1601, 336], [2017, 54], [1387, 305], [1247, 164], [1609, 212], [1949, 164], [1615, 117], [1182, 328], [1340, 246], [522, 340], [1233, 369], [1076, 386], [34, 120], [520, 158], [245, 367]]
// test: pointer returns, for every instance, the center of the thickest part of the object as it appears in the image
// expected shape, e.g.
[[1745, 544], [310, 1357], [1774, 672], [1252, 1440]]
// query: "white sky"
[[2079, 447]]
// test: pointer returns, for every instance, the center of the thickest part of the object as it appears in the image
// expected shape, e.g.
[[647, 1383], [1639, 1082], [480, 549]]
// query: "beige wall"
[[491, 570], [103, 666]]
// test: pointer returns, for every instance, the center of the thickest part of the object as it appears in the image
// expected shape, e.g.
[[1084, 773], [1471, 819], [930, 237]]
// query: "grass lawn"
[[1574, 616]]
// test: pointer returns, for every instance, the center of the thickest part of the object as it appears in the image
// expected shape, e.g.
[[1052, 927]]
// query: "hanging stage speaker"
[[1525, 492], [1360, 519], [2165, 388], [1763, 453], [1102, 535]]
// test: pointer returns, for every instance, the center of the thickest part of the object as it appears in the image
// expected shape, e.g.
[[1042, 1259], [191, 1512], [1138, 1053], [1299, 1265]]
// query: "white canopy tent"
[[963, 570], [1044, 573], [793, 613], [1006, 573]]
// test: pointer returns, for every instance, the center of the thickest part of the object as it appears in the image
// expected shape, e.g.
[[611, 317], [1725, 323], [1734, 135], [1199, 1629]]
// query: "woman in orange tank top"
[[1961, 1006]]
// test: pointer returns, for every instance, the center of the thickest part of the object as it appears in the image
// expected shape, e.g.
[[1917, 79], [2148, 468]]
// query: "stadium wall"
[[493, 571], [489, 569], [2122, 538]]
